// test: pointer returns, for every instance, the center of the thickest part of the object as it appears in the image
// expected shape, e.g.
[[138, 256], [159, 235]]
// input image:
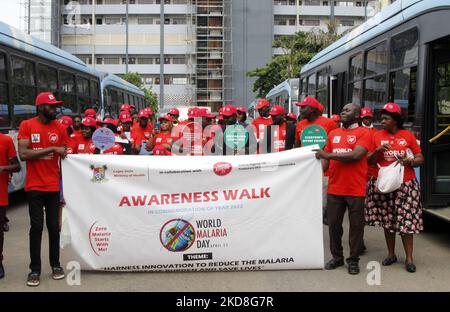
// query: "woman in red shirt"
[[401, 210], [161, 144]]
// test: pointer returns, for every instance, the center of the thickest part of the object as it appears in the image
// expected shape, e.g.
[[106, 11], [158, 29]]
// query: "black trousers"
[[37, 200], [335, 213], [2, 222]]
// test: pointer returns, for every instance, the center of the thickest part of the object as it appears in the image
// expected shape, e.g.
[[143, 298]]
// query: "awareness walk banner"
[[181, 213]]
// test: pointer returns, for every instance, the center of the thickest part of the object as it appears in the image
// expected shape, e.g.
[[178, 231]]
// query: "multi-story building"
[[194, 52]]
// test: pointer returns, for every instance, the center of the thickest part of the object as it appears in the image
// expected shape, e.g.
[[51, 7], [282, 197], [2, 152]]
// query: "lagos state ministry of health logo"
[[99, 174], [177, 235]]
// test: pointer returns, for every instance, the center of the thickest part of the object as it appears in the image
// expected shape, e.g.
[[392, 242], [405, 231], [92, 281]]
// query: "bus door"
[[337, 83], [438, 154]]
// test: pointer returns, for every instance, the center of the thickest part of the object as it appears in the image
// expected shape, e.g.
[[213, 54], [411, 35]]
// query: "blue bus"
[[285, 94], [401, 55], [29, 66]]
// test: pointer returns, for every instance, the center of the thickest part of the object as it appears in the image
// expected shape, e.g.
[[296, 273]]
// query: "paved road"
[[432, 254]]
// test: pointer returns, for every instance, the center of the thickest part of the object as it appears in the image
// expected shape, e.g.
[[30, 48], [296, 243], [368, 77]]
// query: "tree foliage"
[[298, 50], [150, 97]]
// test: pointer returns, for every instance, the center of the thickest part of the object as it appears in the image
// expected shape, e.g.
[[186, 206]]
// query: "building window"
[[347, 23], [311, 22], [179, 81]]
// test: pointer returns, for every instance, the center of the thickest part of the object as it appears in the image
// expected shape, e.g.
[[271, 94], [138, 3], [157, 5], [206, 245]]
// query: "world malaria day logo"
[[177, 235]]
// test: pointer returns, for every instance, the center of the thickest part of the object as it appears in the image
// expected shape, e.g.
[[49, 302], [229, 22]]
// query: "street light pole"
[[126, 36], [161, 57]]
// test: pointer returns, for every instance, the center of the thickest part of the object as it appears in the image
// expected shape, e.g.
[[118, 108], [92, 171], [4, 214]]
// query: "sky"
[[10, 12]]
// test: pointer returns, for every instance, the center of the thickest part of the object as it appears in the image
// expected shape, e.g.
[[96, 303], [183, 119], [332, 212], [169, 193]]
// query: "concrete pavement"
[[432, 255]]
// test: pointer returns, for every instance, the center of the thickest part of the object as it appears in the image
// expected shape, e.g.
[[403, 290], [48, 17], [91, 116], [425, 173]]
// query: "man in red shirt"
[[280, 135], [141, 132], [42, 142], [346, 155], [263, 120], [8, 165]]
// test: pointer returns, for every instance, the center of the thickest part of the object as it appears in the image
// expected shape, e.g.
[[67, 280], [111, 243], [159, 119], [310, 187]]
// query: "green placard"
[[236, 136], [314, 134]]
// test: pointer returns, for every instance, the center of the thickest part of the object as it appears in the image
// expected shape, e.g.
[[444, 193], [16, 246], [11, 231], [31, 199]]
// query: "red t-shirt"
[[140, 135], [326, 123], [160, 139], [116, 149], [400, 143], [7, 151], [76, 134], [279, 139], [348, 179], [372, 170], [261, 124], [43, 173], [83, 146]]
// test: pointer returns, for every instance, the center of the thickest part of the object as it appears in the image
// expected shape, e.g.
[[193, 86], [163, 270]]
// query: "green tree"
[[298, 50], [150, 97]]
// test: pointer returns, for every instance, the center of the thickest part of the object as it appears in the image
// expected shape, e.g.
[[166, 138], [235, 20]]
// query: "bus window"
[[405, 49], [5, 119], [83, 90], [322, 89], [376, 61], [114, 110], [126, 99], [312, 85], [47, 79], [68, 93], [375, 93], [94, 94], [354, 92], [402, 90], [24, 89], [355, 79], [304, 90]]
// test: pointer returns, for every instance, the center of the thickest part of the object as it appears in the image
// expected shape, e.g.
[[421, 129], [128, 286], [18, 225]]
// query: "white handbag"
[[390, 177]]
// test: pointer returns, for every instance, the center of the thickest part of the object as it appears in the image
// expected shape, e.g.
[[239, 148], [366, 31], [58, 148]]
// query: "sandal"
[[389, 261], [410, 267]]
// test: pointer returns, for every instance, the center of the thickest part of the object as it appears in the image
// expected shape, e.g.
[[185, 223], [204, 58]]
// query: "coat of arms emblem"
[[99, 174]]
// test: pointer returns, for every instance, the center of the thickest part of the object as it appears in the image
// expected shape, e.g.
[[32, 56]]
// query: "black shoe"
[[33, 279], [2, 271], [57, 273], [5, 227], [389, 261], [410, 267], [333, 264], [353, 267]]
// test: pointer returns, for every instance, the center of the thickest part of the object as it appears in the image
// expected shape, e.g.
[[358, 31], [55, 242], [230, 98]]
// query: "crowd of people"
[[353, 151]]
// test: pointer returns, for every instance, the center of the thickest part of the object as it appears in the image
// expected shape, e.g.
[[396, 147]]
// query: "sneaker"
[[33, 279], [353, 267], [58, 273], [2, 271], [333, 264]]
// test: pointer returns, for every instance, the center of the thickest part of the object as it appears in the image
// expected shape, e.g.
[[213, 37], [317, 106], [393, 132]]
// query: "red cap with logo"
[[291, 116], [335, 118], [89, 122], [125, 107], [262, 103], [229, 110], [193, 112], [47, 98], [311, 102], [241, 109], [125, 117], [90, 112], [110, 121], [174, 112], [143, 113], [149, 111], [277, 110], [66, 121], [392, 108], [166, 117], [366, 112]]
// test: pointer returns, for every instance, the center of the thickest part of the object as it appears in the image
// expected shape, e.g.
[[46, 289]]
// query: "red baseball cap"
[[241, 109], [166, 117], [335, 117], [392, 108], [277, 110], [193, 112], [262, 103], [47, 98], [110, 121], [125, 107], [66, 121], [229, 110], [311, 102], [125, 117], [366, 112], [143, 113], [89, 122], [148, 110], [291, 116], [90, 112], [174, 111]]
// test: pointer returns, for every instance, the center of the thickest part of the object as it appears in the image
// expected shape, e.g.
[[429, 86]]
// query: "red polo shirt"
[[43, 173], [7, 151], [348, 179], [261, 124], [400, 143]]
